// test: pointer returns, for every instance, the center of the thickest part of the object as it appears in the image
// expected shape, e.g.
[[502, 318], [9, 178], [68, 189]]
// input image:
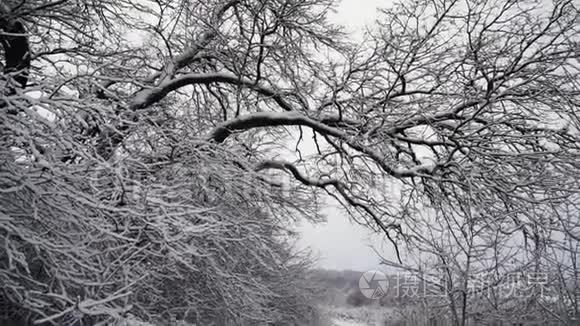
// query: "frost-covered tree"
[[145, 143], [491, 89], [473, 271], [114, 205]]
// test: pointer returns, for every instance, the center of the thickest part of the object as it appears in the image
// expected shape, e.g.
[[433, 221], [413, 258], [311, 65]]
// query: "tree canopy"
[[150, 144]]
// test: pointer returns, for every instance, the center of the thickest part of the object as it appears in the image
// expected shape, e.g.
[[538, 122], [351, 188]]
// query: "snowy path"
[[339, 322]]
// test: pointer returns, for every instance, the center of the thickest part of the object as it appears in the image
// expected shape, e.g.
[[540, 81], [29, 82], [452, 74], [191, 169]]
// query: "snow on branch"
[[151, 96]]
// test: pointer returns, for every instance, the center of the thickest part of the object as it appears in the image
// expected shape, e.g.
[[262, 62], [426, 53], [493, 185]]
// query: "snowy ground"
[[362, 316], [337, 322]]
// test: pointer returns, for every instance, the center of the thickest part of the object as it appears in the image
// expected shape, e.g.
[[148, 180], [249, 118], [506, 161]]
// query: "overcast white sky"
[[339, 243], [356, 14]]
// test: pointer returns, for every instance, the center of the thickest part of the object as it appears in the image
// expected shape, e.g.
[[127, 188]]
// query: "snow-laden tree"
[[108, 211], [195, 244], [139, 133], [492, 228], [474, 271]]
